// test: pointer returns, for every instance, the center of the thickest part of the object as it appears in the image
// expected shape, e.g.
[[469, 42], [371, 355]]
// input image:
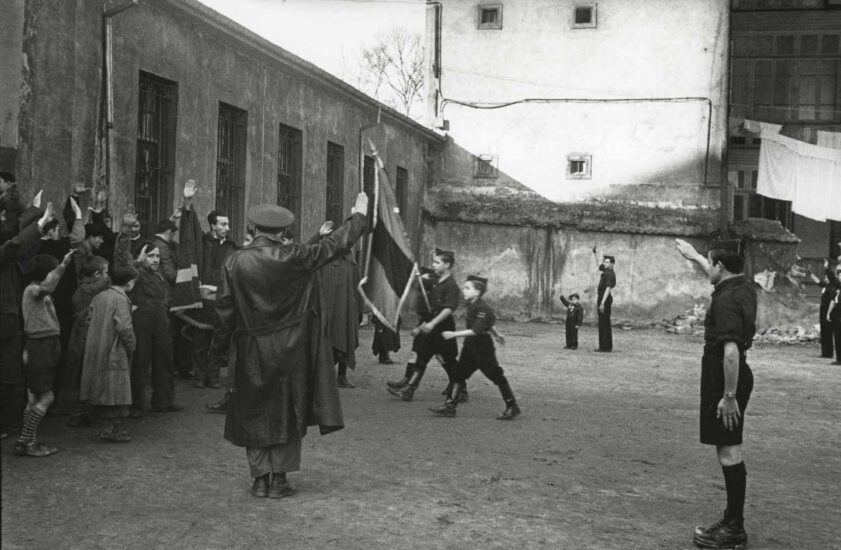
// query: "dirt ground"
[[606, 455]]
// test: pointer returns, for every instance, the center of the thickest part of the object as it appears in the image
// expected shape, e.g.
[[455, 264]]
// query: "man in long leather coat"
[[268, 304]]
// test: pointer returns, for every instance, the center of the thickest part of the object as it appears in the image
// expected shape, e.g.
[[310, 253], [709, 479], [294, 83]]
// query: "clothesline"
[[808, 175]]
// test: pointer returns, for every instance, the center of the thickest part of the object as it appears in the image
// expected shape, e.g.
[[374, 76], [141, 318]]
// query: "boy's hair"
[[122, 275], [93, 265], [446, 256], [732, 261], [166, 225], [213, 216], [574, 296], [42, 264], [478, 285], [50, 225]]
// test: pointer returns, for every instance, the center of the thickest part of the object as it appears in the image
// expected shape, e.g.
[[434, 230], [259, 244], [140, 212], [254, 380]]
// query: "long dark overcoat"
[[268, 307]]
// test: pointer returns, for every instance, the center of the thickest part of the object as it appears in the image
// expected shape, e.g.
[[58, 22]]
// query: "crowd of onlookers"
[[91, 317]]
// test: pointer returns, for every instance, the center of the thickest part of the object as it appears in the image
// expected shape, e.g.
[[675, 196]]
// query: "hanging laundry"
[[791, 170], [829, 139], [777, 174]]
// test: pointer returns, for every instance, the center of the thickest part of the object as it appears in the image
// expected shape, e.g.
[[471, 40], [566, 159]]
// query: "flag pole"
[[423, 290]]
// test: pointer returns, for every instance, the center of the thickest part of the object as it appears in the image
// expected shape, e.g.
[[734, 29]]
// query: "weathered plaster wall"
[[537, 55], [11, 50], [210, 64], [529, 268]]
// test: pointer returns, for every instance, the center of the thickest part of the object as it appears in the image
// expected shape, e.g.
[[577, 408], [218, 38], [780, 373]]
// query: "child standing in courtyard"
[[575, 316], [106, 371], [43, 349]]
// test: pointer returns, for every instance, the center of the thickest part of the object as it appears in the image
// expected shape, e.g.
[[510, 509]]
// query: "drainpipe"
[[726, 192], [108, 72]]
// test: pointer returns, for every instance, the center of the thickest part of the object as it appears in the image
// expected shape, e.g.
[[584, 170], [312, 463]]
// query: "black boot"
[[407, 393], [726, 533], [511, 411], [448, 409], [396, 384], [260, 489]]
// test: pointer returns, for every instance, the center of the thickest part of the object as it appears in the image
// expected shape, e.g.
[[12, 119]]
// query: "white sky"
[[328, 33]]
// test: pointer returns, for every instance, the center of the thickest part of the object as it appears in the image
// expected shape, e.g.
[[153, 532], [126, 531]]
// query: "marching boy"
[[43, 349], [575, 316], [477, 352], [443, 301]]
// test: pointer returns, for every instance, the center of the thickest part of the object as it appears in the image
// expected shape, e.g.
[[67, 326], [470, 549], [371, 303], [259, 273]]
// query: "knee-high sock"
[[735, 479], [32, 417]]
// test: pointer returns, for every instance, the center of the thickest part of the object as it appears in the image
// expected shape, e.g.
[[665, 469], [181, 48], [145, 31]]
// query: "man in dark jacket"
[[217, 245], [268, 303]]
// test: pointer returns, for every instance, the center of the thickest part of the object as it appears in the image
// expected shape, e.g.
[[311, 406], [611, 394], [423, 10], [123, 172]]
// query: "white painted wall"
[[640, 49]]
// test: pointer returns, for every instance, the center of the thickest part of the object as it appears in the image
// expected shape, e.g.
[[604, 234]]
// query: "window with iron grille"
[[154, 169], [401, 184], [368, 167], [335, 182], [290, 171], [230, 165]]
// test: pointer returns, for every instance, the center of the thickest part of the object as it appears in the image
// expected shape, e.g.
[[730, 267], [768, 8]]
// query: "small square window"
[[486, 167], [584, 16], [490, 16], [579, 167]]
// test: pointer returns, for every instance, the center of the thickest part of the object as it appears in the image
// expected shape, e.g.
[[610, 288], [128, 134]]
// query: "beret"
[[269, 216], [478, 279]]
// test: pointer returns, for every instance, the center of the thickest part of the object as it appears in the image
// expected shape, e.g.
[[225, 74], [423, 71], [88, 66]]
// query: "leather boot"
[[260, 489]]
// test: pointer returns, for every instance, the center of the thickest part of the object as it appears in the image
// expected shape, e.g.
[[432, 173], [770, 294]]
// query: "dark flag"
[[390, 264]]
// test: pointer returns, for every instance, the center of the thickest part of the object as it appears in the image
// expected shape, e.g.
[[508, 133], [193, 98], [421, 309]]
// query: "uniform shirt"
[[607, 280], [480, 317], [444, 294], [732, 315]]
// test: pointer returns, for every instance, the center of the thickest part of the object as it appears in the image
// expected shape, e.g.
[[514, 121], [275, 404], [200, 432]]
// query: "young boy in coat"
[[106, 371]]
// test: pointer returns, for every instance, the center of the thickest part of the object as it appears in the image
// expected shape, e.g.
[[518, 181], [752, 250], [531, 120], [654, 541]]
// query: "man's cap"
[[611, 258], [730, 245], [574, 295], [94, 230], [478, 279], [269, 216], [442, 252]]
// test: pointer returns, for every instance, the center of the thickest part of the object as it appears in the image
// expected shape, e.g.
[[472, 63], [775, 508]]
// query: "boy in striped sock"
[[42, 351]]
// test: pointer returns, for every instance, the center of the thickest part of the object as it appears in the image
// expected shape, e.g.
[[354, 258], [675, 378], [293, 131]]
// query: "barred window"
[[230, 165], [335, 182], [290, 171], [155, 164]]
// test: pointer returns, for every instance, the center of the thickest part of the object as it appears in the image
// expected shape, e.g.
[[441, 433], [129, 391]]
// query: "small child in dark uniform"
[[575, 316], [477, 352]]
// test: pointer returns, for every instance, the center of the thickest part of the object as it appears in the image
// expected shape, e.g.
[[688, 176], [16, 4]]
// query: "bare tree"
[[391, 70]]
